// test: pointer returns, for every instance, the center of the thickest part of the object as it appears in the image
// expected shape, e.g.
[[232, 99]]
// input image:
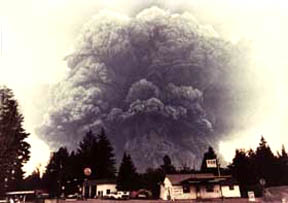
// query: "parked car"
[[143, 194], [118, 195]]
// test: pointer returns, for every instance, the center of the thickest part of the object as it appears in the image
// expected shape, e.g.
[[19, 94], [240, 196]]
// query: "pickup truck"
[[118, 195]]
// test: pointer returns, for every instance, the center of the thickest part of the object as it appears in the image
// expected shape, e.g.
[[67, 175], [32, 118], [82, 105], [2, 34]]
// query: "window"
[[108, 191], [231, 187], [186, 188], [209, 188]]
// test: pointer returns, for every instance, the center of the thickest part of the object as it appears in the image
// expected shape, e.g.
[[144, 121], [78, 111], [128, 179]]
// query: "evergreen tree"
[[105, 157], [127, 179], [152, 179], [55, 176], [74, 173], [33, 181], [167, 166], [14, 151], [88, 155], [284, 154], [96, 153], [282, 164], [210, 154], [265, 162]]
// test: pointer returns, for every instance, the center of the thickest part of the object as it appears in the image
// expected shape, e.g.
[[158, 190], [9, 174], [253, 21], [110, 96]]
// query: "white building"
[[98, 188], [198, 186]]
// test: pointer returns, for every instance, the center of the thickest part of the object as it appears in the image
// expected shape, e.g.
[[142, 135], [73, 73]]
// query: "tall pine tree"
[[14, 151], [209, 155], [127, 179], [88, 155], [105, 156], [167, 166], [55, 176], [96, 153], [265, 162]]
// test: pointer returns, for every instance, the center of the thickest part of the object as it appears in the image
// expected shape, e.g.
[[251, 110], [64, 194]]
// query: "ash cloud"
[[158, 82]]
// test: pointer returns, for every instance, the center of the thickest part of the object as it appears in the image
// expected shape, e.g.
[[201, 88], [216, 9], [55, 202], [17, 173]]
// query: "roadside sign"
[[251, 196], [211, 163]]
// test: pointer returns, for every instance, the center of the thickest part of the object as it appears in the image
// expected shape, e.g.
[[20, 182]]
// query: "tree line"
[[249, 167], [64, 172], [14, 150]]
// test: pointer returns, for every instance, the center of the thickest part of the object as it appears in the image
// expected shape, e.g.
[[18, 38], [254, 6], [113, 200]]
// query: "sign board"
[[87, 171], [251, 196], [177, 191], [211, 163]]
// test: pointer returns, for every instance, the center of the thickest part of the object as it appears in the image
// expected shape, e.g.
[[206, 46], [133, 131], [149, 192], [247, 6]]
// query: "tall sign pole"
[[1, 38], [218, 166]]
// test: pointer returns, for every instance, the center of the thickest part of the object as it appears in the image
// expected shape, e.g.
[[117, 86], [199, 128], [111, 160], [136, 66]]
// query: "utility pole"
[[218, 167], [1, 38]]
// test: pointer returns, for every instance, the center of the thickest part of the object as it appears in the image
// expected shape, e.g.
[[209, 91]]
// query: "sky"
[[38, 34]]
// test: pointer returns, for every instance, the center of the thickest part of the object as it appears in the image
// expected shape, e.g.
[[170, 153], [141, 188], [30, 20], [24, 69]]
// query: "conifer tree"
[[14, 151], [96, 153], [265, 162], [127, 179], [105, 157], [55, 176], [210, 154], [88, 155], [167, 166], [33, 181]]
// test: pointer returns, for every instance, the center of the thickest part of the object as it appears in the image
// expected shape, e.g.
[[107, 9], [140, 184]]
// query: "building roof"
[[177, 179], [99, 182], [229, 181]]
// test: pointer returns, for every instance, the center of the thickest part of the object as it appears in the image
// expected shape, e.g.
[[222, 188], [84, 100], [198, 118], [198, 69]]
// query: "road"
[[240, 200]]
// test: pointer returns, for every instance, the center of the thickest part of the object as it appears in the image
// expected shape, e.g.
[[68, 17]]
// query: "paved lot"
[[242, 200]]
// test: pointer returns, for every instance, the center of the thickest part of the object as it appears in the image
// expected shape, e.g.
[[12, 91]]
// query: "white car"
[[118, 195]]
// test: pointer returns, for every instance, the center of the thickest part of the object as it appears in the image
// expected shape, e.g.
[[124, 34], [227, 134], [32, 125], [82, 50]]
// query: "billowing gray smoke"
[[159, 83]]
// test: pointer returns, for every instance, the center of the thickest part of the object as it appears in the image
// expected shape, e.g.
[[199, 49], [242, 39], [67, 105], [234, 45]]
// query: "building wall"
[[165, 189], [178, 192], [227, 192], [204, 194], [101, 190]]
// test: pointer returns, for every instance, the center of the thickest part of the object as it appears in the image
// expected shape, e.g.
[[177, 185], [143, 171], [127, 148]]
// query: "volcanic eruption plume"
[[158, 82]]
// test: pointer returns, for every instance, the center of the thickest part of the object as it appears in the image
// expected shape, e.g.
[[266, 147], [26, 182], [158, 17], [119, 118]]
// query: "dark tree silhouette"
[[33, 181], [128, 179], [265, 162], [243, 170], [249, 167], [105, 157], [282, 164], [14, 151], [167, 166], [96, 153], [210, 154], [88, 155], [152, 179], [55, 177]]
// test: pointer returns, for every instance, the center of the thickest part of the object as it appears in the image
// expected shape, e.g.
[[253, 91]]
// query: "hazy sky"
[[38, 34]]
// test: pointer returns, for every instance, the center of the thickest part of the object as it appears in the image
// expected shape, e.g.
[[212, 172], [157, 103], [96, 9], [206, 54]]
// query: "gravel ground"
[[242, 200]]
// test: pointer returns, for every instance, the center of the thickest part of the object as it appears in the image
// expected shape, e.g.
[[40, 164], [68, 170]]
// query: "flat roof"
[[25, 192], [177, 179], [99, 182]]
